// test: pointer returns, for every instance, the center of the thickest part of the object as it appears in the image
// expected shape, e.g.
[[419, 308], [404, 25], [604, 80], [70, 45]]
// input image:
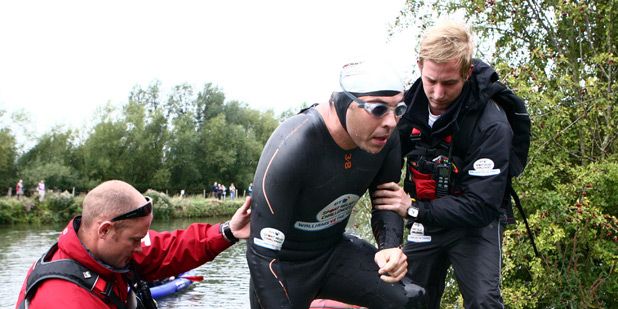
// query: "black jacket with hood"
[[478, 194]]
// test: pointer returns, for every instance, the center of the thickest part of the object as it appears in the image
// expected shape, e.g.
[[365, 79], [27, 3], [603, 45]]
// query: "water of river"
[[225, 284]]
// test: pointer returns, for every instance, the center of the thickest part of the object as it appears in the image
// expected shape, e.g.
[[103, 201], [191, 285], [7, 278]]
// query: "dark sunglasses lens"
[[147, 209], [400, 110], [379, 110], [136, 213]]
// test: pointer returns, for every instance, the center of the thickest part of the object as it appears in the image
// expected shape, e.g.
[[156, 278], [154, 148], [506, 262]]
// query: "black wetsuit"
[[305, 189]]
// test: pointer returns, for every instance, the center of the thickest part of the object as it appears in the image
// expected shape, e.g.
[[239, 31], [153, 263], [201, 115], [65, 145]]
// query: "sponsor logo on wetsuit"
[[270, 238], [348, 161], [335, 212], [484, 167]]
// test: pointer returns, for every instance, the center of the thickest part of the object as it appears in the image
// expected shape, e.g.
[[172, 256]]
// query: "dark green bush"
[[166, 207], [199, 207], [163, 208], [13, 210], [577, 239], [61, 206], [601, 186]]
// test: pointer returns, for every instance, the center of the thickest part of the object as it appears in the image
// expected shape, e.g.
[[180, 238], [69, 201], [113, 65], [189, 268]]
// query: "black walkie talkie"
[[441, 174]]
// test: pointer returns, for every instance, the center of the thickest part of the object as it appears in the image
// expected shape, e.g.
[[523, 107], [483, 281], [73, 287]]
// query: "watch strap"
[[413, 210], [226, 231]]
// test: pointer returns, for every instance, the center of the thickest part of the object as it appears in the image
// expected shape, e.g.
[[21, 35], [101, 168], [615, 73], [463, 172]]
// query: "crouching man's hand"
[[393, 264]]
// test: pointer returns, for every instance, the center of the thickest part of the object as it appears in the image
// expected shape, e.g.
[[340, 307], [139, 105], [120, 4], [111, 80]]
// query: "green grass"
[[60, 207]]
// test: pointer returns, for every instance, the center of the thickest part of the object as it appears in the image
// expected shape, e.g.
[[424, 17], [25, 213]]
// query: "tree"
[[181, 159], [144, 139], [104, 150], [180, 101], [53, 159], [209, 104], [185, 142], [148, 97], [8, 154]]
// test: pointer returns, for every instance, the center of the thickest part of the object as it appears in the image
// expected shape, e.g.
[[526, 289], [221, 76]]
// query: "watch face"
[[413, 211]]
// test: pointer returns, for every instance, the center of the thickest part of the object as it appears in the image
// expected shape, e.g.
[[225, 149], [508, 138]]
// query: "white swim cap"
[[369, 77]]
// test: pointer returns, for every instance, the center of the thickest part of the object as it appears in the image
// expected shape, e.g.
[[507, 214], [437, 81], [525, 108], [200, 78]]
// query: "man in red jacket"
[[116, 251]]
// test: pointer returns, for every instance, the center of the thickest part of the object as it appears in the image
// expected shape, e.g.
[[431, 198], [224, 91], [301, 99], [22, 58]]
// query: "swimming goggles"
[[377, 110]]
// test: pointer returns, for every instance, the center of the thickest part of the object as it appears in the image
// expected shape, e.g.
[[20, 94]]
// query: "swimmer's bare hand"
[[393, 264]]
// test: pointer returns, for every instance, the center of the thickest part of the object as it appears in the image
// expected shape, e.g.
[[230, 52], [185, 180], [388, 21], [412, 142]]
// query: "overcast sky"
[[60, 60]]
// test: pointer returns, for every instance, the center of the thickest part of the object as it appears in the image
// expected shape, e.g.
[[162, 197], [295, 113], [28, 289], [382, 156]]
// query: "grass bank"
[[60, 207]]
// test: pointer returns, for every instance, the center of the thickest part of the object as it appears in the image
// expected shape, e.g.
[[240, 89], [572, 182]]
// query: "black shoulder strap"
[[141, 289], [68, 270], [523, 215], [64, 269]]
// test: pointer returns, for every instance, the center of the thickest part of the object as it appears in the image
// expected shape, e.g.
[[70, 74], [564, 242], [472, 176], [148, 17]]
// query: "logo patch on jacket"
[[484, 167]]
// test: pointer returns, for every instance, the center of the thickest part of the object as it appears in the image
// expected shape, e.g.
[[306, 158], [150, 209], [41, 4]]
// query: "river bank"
[[60, 207]]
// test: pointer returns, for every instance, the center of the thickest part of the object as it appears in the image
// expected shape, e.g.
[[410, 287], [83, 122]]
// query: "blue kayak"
[[171, 285]]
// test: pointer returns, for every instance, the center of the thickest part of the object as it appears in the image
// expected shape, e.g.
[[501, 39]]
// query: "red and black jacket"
[[163, 254]]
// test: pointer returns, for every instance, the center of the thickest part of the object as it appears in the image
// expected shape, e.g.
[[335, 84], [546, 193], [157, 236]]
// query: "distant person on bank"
[[41, 189], [118, 252], [19, 189]]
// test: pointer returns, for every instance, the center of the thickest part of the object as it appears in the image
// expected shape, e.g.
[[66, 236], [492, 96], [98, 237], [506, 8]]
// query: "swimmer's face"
[[370, 132]]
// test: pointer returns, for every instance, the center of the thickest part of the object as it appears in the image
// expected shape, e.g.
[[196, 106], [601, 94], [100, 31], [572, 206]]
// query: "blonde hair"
[[446, 41]]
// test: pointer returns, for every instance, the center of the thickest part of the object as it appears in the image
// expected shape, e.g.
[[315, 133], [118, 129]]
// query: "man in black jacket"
[[457, 181]]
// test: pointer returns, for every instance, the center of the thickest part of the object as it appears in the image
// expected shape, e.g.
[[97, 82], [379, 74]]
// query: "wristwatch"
[[226, 231], [412, 211]]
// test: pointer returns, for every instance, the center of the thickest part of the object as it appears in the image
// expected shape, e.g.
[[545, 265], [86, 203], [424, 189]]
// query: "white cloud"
[[60, 60]]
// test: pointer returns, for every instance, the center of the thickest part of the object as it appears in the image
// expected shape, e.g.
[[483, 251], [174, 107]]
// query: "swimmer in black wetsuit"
[[312, 172]]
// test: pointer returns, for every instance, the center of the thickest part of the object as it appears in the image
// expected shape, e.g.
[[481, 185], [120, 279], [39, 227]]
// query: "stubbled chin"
[[373, 146], [371, 150]]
